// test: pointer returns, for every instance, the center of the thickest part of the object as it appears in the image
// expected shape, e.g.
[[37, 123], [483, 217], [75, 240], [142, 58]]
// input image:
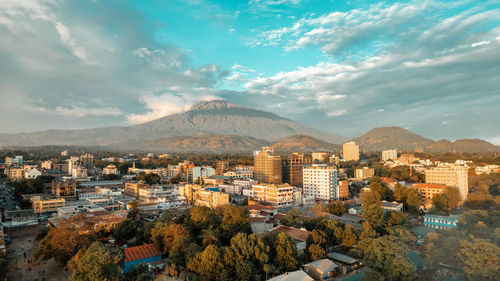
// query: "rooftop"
[[141, 252], [428, 185], [298, 275], [322, 265], [296, 234], [343, 258], [439, 217]]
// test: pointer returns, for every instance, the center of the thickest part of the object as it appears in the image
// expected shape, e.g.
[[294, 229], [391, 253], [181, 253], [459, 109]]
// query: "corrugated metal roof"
[[141, 252]]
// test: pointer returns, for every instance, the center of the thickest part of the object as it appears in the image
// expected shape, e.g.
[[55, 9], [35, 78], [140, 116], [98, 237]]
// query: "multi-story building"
[[184, 166], [277, 195], [364, 173], [292, 169], [427, 191], [43, 205], [321, 181], [110, 170], [221, 167], [46, 165], [199, 173], [350, 151], [240, 173], [389, 154], [406, 158], [267, 166], [454, 176], [64, 153], [343, 189], [15, 173], [64, 189], [441, 222], [319, 156], [132, 188], [32, 173], [211, 197], [87, 161], [79, 172]]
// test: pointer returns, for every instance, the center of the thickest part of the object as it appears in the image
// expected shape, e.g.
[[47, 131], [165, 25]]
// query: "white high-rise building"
[[390, 154], [320, 181], [455, 176]]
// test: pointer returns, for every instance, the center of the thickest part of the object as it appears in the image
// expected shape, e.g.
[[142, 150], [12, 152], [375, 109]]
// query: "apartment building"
[[454, 176], [321, 181], [292, 169], [132, 188], [199, 173], [389, 154], [276, 195], [319, 156], [350, 151], [267, 166], [110, 170], [43, 204], [221, 167], [364, 173]]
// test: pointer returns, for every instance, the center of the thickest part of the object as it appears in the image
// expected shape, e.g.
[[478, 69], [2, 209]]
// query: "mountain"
[[304, 144], [462, 145], [378, 139], [205, 143], [211, 118]]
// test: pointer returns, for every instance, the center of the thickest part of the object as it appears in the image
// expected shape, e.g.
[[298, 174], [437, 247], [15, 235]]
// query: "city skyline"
[[427, 66]]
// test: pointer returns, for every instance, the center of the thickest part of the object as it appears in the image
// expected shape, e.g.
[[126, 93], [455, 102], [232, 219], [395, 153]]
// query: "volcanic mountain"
[[210, 118]]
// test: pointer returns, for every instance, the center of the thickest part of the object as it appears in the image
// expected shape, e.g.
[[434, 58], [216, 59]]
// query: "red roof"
[[141, 252]]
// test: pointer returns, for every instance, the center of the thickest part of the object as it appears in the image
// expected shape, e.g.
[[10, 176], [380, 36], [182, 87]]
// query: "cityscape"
[[280, 140]]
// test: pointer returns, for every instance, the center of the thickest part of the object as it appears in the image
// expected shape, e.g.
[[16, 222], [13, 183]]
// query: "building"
[[277, 195], [15, 173], [87, 161], [221, 167], [32, 174], [199, 173], [64, 189], [43, 205], [407, 158], [454, 176], [299, 235], [79, 172], [298, 275], [267, 166], [64, 153], [292, 169], [211, 197], [321, 181], [427, 191], [140, 254], [350, 151], [441, 222], [321, 269], [391, 206], [319, 156], [389, 154], [132, 188], [110, 170], [364, 173], [46, 165]]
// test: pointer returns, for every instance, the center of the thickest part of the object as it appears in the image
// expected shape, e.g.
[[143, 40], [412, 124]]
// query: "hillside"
[[378, 139], [462, 145], [214, 118], [304, 144]]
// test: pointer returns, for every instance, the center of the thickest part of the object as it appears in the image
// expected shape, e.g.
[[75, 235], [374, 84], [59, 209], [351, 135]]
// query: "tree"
[[317, 237], [235, 219], [453, 197], [400, 192], [170, 238], [246, 248], [133, 212], [286, 253], [209, 236], [413, 200], [479, 200], [388, 258], [319, 209], [337, 208], [440, 202], [208, 264], [316, 252], [125, 230], [98, 263], [291, 218], [395, 218], [148, 178], [480, 258], [369, 198], [368, 231], [349, 238], [374, 215]]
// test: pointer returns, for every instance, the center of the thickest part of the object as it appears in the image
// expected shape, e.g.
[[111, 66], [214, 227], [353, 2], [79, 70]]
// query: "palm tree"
[[209, 236]]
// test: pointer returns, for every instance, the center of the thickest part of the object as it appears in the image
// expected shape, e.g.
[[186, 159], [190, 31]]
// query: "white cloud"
[[66, 38], [80, 111], [336, 113]]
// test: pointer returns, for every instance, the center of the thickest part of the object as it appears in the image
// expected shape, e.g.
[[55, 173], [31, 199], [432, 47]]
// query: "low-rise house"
[[321, 269], [299, 236], [441, 222], [347, 263], [298, 275], [391, 206], [141, 254]]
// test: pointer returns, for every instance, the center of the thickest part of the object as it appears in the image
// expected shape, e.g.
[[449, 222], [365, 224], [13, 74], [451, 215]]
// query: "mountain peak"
[[216, 104]]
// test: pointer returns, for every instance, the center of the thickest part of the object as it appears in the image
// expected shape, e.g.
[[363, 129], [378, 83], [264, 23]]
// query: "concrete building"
[[15, 173], [298, 275], [406, 158], [132, 188], [199, 173], [292, 169], [46, 165], [221, 167], [267, 166], [211, 197], [79, 172], [32, 174], [454, 176], [321, 181], [110, 170], [319, 156], [141, 254], [276, 195], [350, 151], [364, 173], [87, 161], [427, 191], [441, 222], [43, 205], [389, 154], [321, 269]]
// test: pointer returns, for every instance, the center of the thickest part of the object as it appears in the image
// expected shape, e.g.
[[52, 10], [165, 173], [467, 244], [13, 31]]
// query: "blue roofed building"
[[141, 254]]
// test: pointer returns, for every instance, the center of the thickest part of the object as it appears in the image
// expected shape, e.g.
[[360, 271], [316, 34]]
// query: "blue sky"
[[341, 66]]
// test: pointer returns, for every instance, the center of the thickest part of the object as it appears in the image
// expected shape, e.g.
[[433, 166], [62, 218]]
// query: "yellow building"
[[454, 176], [16, 173], [350, 151], [211, 198], [132, 188], [221, 167], [364, 173], [267, 166], [42, 205], [278, 195], [292, 170], [427, 191]]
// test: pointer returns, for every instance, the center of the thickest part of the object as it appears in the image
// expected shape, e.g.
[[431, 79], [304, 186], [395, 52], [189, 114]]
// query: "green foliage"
[[388, 257], [98, 263], [349, 238], [394, 218], [369, 198], [400, 192], [452, 197], [479, 200], [317, 237], [374, 215], [3, 268], [383, 191], [440, 203], [208, 264], [337, 208], [235, 219], [125, 230], [291, 218], [148, 178], [139, 273], [413, 201], [286, 253], [172, 238], [481, 259], [316, 252]]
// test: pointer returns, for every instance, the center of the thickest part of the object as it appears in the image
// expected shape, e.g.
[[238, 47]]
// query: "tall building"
[[389, 154], [455, 176], [364, 173], [267, 166], [292, 169], [221, 167], [200, 173], [277, 195], [319, 156], [407, 158], [87, 161], [321, 181], [350, 151]]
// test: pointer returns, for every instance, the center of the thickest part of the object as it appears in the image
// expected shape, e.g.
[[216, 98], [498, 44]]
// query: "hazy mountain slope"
[[462, 145], [391, 137], [214, 117], [303, 143]]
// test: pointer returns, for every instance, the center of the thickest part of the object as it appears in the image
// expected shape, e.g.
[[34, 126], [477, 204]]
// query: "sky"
[[432, 67]]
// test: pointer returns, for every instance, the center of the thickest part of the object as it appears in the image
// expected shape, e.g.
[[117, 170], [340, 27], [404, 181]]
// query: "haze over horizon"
[[431, 67]]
